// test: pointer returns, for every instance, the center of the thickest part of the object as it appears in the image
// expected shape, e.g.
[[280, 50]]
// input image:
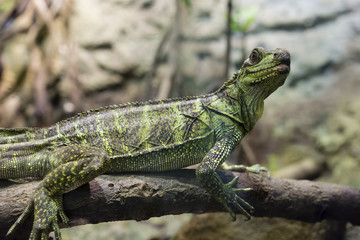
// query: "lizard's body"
[[150, 136], [136, 148]]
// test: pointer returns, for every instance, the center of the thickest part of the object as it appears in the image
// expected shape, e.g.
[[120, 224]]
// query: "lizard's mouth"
[[269, 73], [283, 68]]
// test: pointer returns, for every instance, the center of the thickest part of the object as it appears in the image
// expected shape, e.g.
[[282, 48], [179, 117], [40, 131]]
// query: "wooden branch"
[[139, 197]]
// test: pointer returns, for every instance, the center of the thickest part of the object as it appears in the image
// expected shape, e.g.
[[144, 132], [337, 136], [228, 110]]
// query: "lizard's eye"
[[255, 57]]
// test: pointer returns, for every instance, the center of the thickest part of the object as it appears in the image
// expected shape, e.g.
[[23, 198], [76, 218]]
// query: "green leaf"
[[273, 163], [243, 18], [187, 3]]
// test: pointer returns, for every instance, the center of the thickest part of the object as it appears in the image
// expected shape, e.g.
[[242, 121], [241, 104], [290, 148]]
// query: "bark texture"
[[139, 197]]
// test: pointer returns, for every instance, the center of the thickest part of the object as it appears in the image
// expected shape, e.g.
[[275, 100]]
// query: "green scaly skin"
[[150, 136]]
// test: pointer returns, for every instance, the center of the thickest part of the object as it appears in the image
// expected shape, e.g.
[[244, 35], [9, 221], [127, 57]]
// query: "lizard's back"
[[133, 135]]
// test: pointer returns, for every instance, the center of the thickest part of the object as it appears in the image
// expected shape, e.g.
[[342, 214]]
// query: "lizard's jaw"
[[283, 68], [274, 73]]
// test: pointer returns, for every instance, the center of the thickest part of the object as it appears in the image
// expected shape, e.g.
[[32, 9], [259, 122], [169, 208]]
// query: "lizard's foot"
[[46, 209], [242, 168], [232, 201]]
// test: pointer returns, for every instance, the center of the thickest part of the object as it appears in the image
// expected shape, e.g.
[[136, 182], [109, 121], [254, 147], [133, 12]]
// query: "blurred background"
[[61, 57]]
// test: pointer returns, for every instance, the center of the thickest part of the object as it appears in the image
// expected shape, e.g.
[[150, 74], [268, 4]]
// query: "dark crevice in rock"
[[310, 74], [100, 46], [199, 40], [312, 22], [128, 74], [147, 4]]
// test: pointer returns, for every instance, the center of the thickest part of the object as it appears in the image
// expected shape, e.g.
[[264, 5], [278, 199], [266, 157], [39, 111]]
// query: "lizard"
[[158, 135]]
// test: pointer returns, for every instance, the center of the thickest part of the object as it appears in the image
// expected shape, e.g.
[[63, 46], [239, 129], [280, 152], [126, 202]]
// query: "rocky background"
[[61, 57]]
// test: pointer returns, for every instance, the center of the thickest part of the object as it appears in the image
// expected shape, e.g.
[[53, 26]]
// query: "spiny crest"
[[230, 81], [10, 132], [131, 105]]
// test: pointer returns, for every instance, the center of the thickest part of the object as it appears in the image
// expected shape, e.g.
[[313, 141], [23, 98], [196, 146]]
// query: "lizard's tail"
[[22, 167], [16, 135], [19, 153]]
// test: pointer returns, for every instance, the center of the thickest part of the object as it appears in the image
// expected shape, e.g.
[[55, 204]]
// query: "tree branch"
[[139, 197]]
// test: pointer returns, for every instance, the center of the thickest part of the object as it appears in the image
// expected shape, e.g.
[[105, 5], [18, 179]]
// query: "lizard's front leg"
[[210, 180], [73, 166]]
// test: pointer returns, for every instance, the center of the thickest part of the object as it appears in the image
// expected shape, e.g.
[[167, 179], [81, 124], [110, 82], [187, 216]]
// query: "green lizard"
[[143, 137]]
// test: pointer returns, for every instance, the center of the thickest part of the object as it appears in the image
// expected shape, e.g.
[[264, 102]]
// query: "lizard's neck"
[[247, 106]]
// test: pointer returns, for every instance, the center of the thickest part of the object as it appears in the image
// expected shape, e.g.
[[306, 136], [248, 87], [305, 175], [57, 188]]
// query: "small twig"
[[155, 63], [307, 168], [228, 39], [170, 81]]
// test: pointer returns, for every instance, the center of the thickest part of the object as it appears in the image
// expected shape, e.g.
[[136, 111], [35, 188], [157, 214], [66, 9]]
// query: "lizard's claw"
[[45, 208], [233, 202], [26, 213]]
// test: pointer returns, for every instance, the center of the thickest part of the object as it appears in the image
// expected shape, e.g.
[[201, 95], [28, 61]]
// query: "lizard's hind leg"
[[72, 166]]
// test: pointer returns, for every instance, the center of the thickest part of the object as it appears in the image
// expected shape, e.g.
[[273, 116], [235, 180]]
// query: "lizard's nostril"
[[282, 55]]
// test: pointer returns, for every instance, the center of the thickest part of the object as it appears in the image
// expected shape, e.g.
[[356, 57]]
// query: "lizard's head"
[[264, 71]]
